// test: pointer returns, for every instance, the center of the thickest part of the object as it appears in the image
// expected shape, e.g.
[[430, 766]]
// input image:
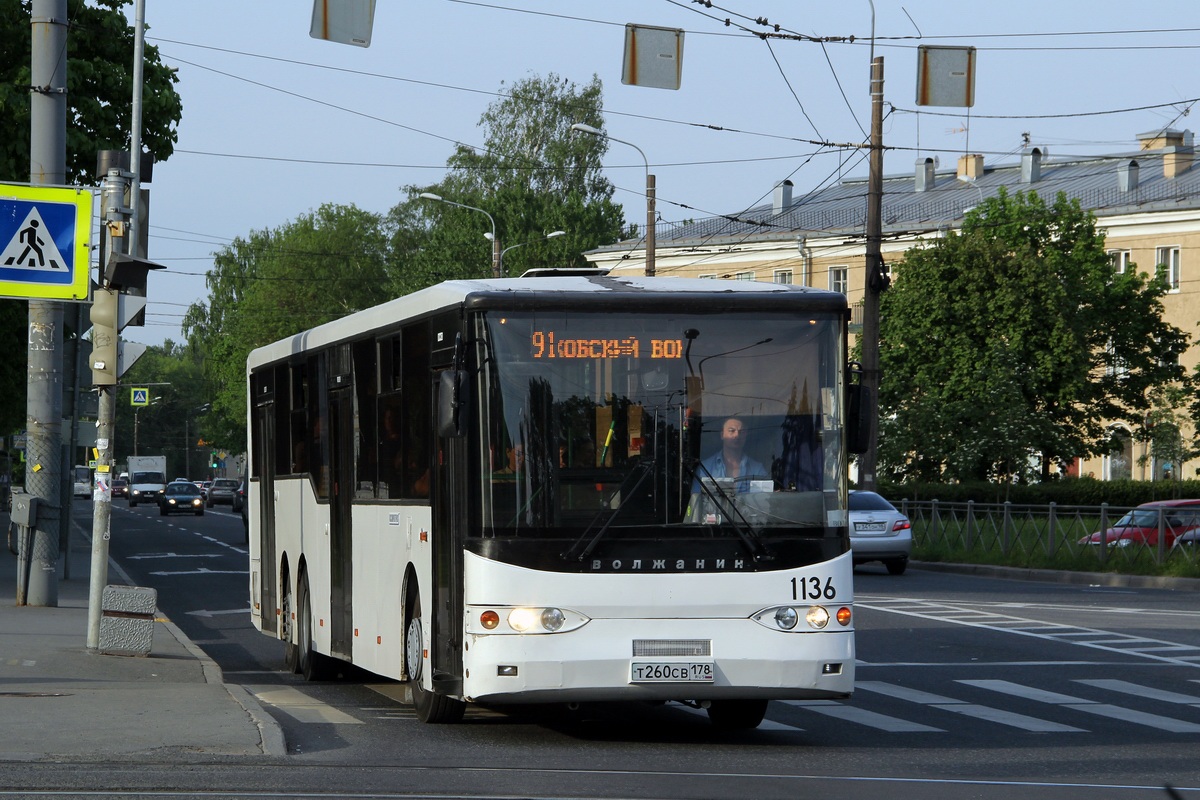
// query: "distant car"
[[204, 487], [1140, 526], [878, 532], [221, 491], [181, 497], [120, 488]]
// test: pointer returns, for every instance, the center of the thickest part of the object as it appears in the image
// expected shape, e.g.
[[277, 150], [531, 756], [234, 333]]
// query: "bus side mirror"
[[452, 401], [860, 415]]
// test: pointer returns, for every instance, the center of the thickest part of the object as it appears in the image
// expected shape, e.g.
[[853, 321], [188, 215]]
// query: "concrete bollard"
[[127, 620]]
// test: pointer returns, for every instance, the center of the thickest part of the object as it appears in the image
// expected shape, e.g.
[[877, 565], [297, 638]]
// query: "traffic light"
[[104, 337], [213, 459]]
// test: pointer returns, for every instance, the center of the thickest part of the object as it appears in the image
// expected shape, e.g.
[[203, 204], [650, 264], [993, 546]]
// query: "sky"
[[276, 123]]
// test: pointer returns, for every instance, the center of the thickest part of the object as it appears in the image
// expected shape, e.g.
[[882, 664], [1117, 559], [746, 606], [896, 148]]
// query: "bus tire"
[[291, 650], [312, 665], [737, 715], [430, 707]]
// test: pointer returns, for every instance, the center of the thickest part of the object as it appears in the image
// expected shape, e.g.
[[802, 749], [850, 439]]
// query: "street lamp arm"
[[495, 242], [650, 191]]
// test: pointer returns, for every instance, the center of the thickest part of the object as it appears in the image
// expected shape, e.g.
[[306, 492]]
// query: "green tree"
[[533, 176], [99, 100], [172, 424], [322, 266], [99, 89], [1006, 347]]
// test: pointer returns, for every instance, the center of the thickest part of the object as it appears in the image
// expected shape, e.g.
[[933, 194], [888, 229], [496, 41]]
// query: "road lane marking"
[[1108, 641], [1086, 706], [300, 706], [872, 719], [955, 706]]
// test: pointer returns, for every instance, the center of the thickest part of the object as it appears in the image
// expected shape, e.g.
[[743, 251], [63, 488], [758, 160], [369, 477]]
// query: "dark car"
[[1140, 526], [222, 491], [181, 497], [120, 488]]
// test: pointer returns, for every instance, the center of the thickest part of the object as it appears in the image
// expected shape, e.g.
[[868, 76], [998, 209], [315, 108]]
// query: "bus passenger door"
[[341, 549], [268, 558], [449, 527]]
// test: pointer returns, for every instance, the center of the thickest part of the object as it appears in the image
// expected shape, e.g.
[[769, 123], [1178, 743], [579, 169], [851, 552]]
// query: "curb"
[[271, 738]]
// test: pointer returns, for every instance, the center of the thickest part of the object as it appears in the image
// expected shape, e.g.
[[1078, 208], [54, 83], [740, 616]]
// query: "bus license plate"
[[671, 672]]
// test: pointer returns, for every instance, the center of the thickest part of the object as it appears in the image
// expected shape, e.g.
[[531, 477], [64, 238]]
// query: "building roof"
[[1097, 182]]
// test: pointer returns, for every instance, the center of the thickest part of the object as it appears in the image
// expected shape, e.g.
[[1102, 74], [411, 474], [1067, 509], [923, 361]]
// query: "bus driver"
[[731, 461]]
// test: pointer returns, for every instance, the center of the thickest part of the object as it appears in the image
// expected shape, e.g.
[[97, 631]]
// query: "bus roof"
[[559, 292]]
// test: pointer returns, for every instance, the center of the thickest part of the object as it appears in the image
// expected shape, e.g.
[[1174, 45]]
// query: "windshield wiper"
[[741, 526], [642, 471]]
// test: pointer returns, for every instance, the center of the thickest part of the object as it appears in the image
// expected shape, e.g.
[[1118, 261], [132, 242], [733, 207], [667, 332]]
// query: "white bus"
[[513, 491]]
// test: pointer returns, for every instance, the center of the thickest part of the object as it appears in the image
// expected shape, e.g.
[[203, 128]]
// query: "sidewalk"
[[58, 699]]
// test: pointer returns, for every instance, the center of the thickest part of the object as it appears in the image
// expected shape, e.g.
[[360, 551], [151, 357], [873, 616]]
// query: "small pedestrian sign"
[[139, 397], [45, 242]]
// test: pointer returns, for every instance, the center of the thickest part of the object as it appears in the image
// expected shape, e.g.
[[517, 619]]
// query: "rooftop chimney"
[[926, 167], [1127, 176], [970, 167], [781, 200], [1176, 146], [1031, 164]]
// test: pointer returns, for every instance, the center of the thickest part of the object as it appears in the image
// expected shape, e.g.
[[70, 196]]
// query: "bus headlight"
[[817, 617], [522, 619], [786, 617]]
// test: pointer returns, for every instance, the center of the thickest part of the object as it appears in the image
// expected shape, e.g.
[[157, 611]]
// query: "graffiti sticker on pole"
[[45, 242]]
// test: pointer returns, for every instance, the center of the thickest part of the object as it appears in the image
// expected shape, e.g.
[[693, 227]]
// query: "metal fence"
[[1037, 536]]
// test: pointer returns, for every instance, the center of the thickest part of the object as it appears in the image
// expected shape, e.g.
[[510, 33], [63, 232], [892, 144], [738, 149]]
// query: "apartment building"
[[1146, 201]]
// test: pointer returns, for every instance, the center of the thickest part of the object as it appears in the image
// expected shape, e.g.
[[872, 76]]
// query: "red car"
[[120, 488], [1140, 526]]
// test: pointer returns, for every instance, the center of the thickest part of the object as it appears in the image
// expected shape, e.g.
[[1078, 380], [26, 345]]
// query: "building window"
[[712, 276], [1167, 259], [1120, 260], [839, 279], [743, 276], [783, 276]]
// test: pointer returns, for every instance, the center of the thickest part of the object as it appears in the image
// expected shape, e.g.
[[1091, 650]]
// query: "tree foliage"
[[1006, 348], [99, 89], [99, 101], [532, 177], [322, 266]]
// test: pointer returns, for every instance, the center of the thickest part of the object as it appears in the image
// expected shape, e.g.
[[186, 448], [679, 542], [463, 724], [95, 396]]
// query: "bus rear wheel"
[[430, 707], [737, 715], [291, 651]]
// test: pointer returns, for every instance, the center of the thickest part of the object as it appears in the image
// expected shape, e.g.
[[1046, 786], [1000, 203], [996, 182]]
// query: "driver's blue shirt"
[[748, 470]]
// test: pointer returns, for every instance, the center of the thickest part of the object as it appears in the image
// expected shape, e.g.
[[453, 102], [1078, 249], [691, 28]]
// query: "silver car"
[[222, 491], [878, 532]]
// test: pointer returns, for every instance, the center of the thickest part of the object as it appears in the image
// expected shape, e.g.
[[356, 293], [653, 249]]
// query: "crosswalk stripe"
[[871, 719], [999, 716], [1087, 706], [1148, 692]]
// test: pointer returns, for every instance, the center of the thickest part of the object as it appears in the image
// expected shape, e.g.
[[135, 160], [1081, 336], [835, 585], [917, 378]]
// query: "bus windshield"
[[609, 424]]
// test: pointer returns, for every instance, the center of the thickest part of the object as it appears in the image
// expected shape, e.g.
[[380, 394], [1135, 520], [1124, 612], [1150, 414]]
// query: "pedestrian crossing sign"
[[139, 396], [45, 242]]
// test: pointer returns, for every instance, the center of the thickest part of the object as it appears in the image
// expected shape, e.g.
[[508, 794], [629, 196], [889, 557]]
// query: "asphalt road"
[[966, 687]]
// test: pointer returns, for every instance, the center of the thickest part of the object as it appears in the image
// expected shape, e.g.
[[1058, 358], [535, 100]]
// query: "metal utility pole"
[[105, 359], [43, 404], [876, 277]]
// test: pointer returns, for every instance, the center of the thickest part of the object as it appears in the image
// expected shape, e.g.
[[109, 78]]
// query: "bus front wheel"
[[737, 715], [430, 707]]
